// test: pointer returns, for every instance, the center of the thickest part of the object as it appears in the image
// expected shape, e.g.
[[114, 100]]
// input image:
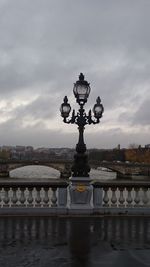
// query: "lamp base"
[[80, 190], [80, 166]]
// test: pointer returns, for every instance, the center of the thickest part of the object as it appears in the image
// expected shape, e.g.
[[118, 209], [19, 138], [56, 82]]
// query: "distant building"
[[147, 146], [29, 148], [20, 148]]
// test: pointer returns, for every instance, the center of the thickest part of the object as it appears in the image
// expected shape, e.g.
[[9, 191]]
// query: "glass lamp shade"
[[65, 108], [81, 90], [98, 109]]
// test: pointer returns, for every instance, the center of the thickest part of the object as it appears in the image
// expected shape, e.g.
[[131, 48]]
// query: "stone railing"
[[26, 196], [121, 197], [51, 196]]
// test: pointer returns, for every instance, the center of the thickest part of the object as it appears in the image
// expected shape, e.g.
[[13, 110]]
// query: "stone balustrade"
[[32, 196], [122, 197], [51, 196]]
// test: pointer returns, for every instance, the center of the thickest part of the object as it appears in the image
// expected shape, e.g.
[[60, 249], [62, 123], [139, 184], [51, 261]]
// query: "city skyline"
[[43, 48]]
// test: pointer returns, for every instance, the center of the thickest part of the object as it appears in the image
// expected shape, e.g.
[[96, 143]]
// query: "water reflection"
[[45, 241], [79, 241]]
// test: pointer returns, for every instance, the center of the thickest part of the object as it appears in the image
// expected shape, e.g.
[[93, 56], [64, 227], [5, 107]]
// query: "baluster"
[[113, 198], [54, 197], [46, 198], [14, 198], [22, 197], [6, 198], [129, 197], [30, 197], [38, 197], [106, 198], [145, 197], [137, 197], [121, 197]]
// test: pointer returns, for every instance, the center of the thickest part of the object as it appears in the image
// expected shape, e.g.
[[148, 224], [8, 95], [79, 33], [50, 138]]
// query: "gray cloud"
[[44, 45], [142, 116], [39, 135], [38, 109]]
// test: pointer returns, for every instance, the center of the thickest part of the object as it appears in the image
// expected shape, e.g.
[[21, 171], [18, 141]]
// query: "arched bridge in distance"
[[64, 167], [122, 169]]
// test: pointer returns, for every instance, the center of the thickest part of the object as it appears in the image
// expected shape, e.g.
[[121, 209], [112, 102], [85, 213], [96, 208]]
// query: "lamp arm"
[[95, 121], [72, 119], [81, 120], [90, 120]]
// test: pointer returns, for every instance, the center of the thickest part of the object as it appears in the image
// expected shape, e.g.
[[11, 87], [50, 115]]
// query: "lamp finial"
[[81, 77]]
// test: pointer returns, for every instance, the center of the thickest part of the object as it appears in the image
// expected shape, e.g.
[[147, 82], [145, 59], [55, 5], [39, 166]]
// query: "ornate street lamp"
[[81, 91]]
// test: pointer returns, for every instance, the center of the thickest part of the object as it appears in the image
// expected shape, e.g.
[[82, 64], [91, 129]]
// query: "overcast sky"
[[44, 45]]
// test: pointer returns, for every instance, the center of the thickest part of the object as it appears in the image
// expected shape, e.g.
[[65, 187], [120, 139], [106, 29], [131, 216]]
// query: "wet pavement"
[[75, 242]]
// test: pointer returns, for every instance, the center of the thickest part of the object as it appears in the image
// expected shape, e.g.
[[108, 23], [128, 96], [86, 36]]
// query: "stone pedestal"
[[80, 190]]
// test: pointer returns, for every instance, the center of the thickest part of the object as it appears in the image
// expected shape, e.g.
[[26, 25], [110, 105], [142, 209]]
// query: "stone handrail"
[[122, 196], [51, 196], [37, 194]]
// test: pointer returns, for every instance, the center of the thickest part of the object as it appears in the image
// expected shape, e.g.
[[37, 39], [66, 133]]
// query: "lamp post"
[[81, 92]]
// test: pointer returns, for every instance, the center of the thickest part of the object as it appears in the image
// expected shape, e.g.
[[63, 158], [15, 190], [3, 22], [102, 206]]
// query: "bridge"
[[123, 169], [63, 166]]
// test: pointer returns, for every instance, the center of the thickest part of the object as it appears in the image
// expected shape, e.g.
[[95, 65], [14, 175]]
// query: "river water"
[[35, 171]]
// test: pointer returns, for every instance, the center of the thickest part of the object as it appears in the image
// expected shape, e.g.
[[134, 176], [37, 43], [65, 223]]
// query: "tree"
[[4, 154], [133, 146]]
